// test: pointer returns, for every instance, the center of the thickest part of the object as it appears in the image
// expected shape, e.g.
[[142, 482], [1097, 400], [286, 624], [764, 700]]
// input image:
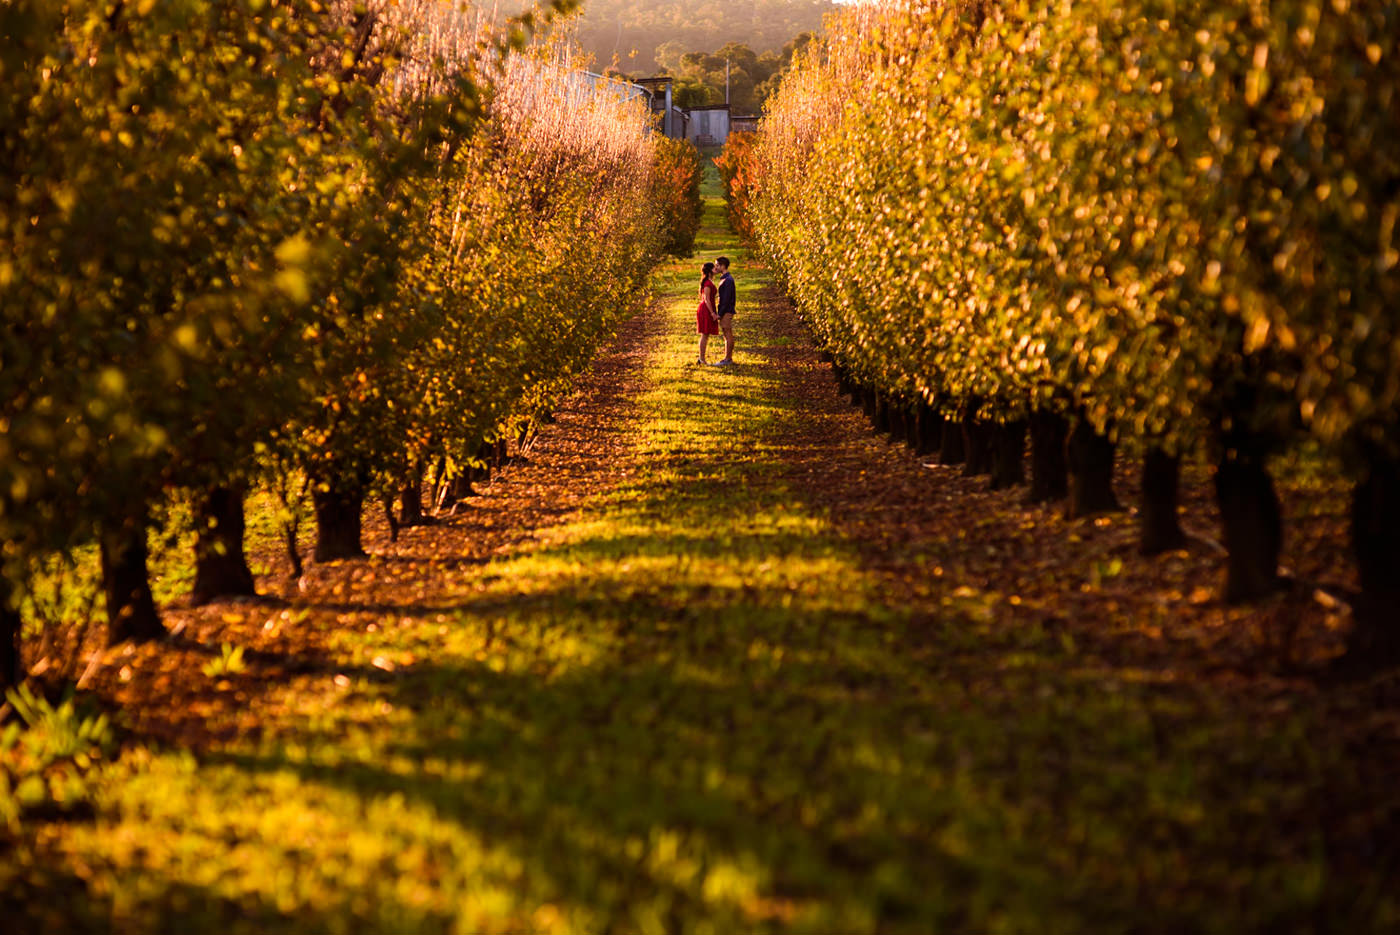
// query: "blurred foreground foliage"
[[50, 757]]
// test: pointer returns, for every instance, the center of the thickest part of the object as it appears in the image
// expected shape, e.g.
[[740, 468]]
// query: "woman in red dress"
[[706, 321]]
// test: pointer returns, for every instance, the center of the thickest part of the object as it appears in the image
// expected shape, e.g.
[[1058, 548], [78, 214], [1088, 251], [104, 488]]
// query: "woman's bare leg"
[[704, 341]]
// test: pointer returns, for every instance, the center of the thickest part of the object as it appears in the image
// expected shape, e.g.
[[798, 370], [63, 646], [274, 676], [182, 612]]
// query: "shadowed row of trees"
[[314, 247], [1156, 224]]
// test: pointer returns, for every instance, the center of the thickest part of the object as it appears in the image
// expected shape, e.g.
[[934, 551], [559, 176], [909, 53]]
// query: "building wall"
[[709, 126]]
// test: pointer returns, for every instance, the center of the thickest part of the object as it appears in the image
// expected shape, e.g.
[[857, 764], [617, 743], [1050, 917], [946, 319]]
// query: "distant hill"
[[643, 35]]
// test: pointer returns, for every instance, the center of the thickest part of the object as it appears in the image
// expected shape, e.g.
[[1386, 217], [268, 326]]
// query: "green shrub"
[[49, 756]]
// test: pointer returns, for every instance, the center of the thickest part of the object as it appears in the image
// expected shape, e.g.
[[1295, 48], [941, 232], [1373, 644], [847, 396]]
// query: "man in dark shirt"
[[725, 307]]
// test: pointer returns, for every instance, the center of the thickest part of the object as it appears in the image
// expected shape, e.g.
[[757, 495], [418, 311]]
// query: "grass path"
[[679, 673]]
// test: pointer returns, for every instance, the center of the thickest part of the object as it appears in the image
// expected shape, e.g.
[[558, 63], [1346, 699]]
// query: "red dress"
[[705, 323]]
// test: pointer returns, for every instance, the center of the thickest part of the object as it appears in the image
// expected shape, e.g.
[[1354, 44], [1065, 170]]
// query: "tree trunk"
[[289, 539], [439, 484], [1090, 457], [1375, 540], [220, 567], [1049, 469], [951, 449], [446, 499], [386, 500], [911, 427], [930, 430], [1253, 524], [1161, 528], [1008, 454], [338, 510], [977, 442], [838, 373], [461, 485], [411, 498], [485, 453], [895, 415], [11, 663], [131, 610], [867, 402], [881, 421]]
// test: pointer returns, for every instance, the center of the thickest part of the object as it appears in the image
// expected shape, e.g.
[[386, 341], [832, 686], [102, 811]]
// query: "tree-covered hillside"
[[642, 34], [702, 76]]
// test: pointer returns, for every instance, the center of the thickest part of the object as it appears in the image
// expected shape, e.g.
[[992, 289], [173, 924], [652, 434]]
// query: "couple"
[[716, 311]]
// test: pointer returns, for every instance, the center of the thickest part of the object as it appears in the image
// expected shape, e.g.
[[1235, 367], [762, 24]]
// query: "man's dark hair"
[[723, 261]]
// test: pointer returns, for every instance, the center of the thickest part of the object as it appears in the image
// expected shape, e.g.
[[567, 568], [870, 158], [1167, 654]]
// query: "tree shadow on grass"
[[838, 783], [41, 899]]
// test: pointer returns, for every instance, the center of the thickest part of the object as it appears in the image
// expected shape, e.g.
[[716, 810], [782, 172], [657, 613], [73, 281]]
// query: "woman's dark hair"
[[708, 269]]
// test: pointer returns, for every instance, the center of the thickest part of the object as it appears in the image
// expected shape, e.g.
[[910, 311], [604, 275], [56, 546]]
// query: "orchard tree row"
[[1163, 225], [311, 245]]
